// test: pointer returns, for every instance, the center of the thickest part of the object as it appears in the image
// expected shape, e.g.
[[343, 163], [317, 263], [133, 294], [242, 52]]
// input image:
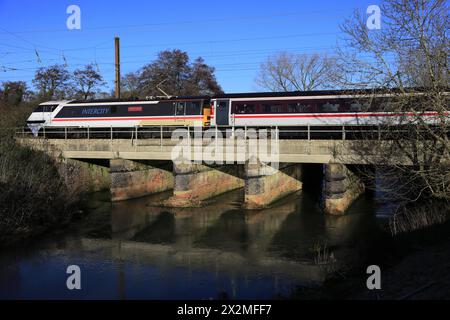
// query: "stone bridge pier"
[[131, 179], [193, 183], [341, 187], [196, 182], [265, 184], [90, 176]]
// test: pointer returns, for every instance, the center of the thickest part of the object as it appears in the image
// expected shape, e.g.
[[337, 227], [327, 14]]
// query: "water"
[[136, 250]]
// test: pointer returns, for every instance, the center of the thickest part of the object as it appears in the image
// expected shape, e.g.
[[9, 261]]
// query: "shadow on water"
[[136, 249], [161, 230]]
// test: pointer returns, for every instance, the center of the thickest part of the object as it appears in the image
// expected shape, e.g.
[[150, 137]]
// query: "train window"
[[39, 109], [193, 108], [299, 108], [113, 109], [357, 106], [50, 108], [384, 105], [330, 107], [160, 109], [221, 105], [245, 108], [45, 108], [239, 108], [179, 111], [272, 108], [379, 104]]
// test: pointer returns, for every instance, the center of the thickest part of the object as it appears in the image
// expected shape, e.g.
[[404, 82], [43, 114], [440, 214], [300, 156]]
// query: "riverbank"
[[413, 265], [35, 195]]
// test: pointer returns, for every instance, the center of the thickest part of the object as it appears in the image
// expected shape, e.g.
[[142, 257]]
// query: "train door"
[[222, 112], [180, 110]]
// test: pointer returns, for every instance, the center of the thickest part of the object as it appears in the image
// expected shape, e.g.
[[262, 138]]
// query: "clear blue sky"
[[233, 36]]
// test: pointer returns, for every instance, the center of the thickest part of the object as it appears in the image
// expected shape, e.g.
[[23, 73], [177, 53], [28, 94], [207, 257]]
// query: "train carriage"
[[103, 113], [311, 108]]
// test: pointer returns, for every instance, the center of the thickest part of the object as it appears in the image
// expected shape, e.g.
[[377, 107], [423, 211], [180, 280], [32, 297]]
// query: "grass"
[[322, 254], [419, 216]]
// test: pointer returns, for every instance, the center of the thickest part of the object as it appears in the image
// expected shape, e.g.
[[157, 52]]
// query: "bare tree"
[[131, 85], [408, 58], [51, 82], [87, 81], [202, 80], [174, 74], [296, 72]]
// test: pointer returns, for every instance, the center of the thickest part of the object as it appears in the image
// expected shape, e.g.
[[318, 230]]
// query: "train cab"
[[42, 115], [176, 111]]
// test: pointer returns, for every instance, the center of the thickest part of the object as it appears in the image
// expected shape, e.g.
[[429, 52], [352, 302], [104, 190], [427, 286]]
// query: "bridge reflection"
[[224, 239]]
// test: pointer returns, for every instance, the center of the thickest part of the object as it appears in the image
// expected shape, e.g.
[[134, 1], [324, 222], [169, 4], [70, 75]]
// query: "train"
[[269, 109]]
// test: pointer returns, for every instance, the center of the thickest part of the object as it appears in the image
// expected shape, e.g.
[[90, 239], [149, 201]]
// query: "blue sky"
[[233, 36]]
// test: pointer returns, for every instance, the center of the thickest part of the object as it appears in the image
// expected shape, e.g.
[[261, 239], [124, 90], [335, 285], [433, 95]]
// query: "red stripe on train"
[[127, 118], [336, 115]]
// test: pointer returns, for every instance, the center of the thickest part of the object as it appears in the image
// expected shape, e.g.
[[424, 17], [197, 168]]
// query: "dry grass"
[[419, 217], [322, 254], [33, 195]]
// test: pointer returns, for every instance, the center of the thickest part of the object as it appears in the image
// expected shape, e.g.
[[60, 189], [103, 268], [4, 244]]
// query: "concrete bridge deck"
[[289, 151]]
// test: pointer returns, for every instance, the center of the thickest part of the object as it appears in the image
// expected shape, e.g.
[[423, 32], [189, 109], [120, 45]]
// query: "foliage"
[[33, 195], [173, 74], [52, 82], [131, 85], [87, 82], [13, 92]]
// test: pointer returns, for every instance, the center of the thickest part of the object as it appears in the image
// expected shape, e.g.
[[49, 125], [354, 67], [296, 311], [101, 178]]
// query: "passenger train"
[[287, 109]]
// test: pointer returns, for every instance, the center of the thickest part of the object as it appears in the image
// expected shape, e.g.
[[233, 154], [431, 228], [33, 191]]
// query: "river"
[[136, 249]]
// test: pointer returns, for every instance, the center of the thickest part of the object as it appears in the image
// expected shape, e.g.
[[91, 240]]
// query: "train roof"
[[320, 93], [135, 99], [253, 95], [54, 102]]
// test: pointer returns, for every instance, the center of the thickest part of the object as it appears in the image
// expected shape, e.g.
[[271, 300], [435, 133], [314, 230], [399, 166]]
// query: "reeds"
[[419, 217]]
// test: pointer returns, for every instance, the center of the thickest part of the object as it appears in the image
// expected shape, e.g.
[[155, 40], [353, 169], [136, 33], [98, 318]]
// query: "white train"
[[287, 109], [186, 111]]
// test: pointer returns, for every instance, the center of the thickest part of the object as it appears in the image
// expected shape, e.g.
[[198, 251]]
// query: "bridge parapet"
[[289, 150]]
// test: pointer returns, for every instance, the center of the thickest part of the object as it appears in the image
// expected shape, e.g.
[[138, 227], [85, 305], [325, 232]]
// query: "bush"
[[33, 195]]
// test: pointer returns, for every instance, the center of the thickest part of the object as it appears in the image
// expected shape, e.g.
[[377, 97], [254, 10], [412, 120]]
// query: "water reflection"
[[219, 237], [137, 249], [279, 241]]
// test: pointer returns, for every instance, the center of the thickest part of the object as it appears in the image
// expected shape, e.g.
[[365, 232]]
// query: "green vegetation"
[[33, 195]]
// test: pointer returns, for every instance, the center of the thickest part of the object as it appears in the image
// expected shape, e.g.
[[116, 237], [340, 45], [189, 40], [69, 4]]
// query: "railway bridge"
[[199, 165]]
